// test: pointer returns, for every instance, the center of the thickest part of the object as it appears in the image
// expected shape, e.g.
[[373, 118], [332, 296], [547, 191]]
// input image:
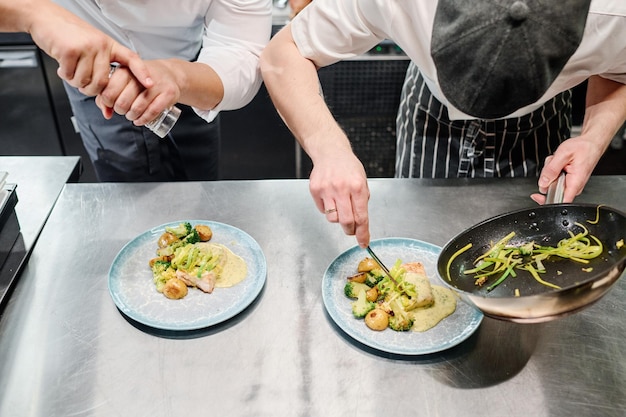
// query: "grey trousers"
[[430, 145], [123, 152]]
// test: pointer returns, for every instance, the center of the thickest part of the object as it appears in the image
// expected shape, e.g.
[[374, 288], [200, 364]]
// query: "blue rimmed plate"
[[451, 331], [134, 293]]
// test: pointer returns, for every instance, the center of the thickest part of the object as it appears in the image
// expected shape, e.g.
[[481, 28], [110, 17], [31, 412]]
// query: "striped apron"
[[430, 145]]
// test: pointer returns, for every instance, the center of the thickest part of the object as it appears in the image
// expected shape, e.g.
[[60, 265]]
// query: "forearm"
[[16, 16], [338, 182], [199, 85], [293, 84], [605, 111]]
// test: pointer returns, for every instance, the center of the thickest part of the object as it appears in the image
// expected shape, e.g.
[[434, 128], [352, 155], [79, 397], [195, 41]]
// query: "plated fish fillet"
[[206, 282], [416, 274]]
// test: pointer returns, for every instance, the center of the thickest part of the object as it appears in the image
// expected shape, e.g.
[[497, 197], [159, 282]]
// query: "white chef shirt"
[[328, 31], [228, 35]]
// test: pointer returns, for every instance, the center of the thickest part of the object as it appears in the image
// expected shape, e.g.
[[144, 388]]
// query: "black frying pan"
[[545, 225]]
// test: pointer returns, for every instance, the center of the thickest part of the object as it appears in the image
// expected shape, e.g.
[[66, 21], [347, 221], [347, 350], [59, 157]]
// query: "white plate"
[[134, 293], [451, 331]]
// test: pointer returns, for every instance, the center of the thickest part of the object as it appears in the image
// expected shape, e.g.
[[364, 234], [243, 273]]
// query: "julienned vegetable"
[[502, 260]]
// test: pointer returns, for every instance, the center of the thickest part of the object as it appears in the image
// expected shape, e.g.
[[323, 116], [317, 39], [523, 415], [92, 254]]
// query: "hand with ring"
[[339, 188]]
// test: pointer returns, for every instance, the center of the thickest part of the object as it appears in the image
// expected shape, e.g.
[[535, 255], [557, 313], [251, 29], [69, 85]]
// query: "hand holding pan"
[[522, 298]]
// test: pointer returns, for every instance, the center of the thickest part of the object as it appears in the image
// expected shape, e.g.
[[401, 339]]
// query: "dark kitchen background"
[[363, 93]]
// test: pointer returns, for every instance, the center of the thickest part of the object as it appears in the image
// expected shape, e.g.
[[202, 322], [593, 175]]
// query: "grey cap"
[[495, 57]]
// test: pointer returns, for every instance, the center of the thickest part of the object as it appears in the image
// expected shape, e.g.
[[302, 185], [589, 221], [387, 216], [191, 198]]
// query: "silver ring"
[[332, 210], [112, 67]]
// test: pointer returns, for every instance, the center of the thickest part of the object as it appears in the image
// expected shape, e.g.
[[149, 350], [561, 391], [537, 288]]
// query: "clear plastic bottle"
[[162, 125]]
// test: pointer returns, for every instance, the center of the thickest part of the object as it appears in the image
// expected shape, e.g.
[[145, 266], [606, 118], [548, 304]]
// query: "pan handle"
[[555, 190]]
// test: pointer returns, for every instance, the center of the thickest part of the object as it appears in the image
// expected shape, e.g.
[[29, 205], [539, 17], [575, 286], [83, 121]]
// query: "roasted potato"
[[204, 232], [372, 294], [166, 239], [174, 289], [360, 277], [377, 319], [367, 264]]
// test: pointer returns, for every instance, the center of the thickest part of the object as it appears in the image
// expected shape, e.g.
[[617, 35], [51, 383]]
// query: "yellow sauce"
[[234, 269], [428, 317]]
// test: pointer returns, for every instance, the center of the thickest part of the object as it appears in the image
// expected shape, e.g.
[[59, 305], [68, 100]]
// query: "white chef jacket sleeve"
[[336, 30], [236, 31]]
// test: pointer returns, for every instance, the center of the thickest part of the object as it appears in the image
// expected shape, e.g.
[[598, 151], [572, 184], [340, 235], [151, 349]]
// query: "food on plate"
[[416, 275], [377, 319], [174, 288], [367, 264], [444, 304], [185, 258], [204, 232], [381, 304], [502, 259]]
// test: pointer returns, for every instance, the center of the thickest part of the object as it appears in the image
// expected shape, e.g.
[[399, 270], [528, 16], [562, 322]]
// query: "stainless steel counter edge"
[[39, 181]]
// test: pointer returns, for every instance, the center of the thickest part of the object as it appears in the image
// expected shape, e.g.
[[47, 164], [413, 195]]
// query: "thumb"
[[131, 60]]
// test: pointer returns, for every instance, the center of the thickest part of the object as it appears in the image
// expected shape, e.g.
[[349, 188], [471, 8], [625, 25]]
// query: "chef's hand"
[[125, 95], [338, 184], [577, 157], [83, 52]]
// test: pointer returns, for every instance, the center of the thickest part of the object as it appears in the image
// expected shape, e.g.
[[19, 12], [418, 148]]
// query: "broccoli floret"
[[360, 307], [400, 324], [160, 266], [192, 237], [399, 320], [162, 271], [374, 276], [180, 231], [352, 289]]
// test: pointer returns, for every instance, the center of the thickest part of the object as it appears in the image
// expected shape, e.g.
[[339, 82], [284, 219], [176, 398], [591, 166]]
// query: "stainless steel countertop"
[[39, 181], [65, 350]]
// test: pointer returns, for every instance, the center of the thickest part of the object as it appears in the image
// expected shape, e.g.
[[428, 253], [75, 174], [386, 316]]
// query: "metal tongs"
[[385, 269]]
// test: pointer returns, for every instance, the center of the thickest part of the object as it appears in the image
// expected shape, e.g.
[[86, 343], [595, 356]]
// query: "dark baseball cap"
[[495, 57]]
